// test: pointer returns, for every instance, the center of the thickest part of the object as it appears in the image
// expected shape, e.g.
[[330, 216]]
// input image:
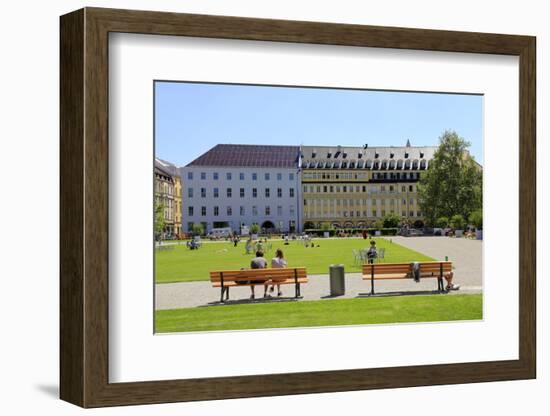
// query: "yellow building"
[[177, 205], [164, 196], [352, 187]]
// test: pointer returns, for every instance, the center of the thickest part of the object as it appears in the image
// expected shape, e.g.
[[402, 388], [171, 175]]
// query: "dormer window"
[[329, 155], [313, 154], [344, 155], [391, 155], [336, 154], [360, 155], [376, 155], [421, 155], [406, 155]]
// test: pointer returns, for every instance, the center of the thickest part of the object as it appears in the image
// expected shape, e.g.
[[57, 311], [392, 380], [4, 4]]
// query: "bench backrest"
[[426, 267], [286, 273]]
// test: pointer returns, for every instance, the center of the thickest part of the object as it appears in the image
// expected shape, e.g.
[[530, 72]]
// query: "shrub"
[[476, 219], [197, 229], [457, 222], [391, 221], [442, 222], [254, 228]]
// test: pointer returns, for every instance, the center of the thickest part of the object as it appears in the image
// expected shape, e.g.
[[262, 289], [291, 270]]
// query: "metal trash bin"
[[337, 280]]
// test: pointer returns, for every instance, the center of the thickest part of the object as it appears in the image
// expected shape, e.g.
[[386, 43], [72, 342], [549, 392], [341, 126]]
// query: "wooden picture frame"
[[84, 207]]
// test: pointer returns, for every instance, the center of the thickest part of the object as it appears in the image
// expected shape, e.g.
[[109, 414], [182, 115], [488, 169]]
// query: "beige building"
[[177, 205], [164, 197], [352, 187]]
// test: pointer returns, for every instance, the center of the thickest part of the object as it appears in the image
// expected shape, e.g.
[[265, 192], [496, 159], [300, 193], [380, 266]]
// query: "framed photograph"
[[254, 207]]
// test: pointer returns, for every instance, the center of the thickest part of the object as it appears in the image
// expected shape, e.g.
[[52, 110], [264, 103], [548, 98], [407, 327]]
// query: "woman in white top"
[[278, 262]]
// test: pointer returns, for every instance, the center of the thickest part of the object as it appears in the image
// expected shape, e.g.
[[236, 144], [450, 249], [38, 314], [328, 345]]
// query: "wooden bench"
[[390, 271], [279, 276]]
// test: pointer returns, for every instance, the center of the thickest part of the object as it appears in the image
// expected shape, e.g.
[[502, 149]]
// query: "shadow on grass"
[[252, 301], [401, 293]]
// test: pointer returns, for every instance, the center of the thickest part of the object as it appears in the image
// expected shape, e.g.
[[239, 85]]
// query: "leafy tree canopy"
[[452, 185]]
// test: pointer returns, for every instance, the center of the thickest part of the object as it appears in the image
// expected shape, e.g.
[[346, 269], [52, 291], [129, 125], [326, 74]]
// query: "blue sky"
[[192, 117]]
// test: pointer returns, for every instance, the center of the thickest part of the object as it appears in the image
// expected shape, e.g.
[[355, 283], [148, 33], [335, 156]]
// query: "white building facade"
[[240, 185]]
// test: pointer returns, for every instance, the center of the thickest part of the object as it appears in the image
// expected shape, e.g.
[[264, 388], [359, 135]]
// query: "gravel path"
[[466, 256]]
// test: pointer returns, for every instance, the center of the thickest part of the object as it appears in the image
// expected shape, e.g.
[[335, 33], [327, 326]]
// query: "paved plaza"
[[465, 254]]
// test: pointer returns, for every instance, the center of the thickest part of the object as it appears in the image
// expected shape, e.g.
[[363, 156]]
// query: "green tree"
[[159, 219], [453, 183], [442, 222], [197, 228], [391, 221], [476, 218], [457, 222], [254, 228], [326, 226]]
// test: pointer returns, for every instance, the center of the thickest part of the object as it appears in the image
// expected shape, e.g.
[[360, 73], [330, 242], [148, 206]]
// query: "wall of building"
[[234, 209]]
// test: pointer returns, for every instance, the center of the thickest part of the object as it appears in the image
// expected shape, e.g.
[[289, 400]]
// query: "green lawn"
[[183, 265], [376, 310]]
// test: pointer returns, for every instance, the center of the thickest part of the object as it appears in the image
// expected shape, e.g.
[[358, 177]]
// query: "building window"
[[412, 201], [267, 210], [241, 192], [403, 213], [203, 211], [216, 211], [374, 213], [331, 188], [190, 211], [291, 192], [254, 192], [229, 211], [190, 176], [279, 193], [291, 176], [411, 213], [411, 188], [418, 213], [229, 192], [203, 192], [190, 192], [291, 211], [279, 176], [241, 176], [403, 189], [267, 192], [325, 188], [255, 210], [241, 210], [203, 175], [254, 176], [266, 176], [215, 176], [228, 176], [216, 192], [279, 211]]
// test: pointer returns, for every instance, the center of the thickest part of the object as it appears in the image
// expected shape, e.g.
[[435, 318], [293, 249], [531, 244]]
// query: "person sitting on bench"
[[372, 253], [450, 284], [278, 262], [258, 262]]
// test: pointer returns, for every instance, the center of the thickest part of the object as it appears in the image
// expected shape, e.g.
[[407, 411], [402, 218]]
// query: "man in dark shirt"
[[258, 262]]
